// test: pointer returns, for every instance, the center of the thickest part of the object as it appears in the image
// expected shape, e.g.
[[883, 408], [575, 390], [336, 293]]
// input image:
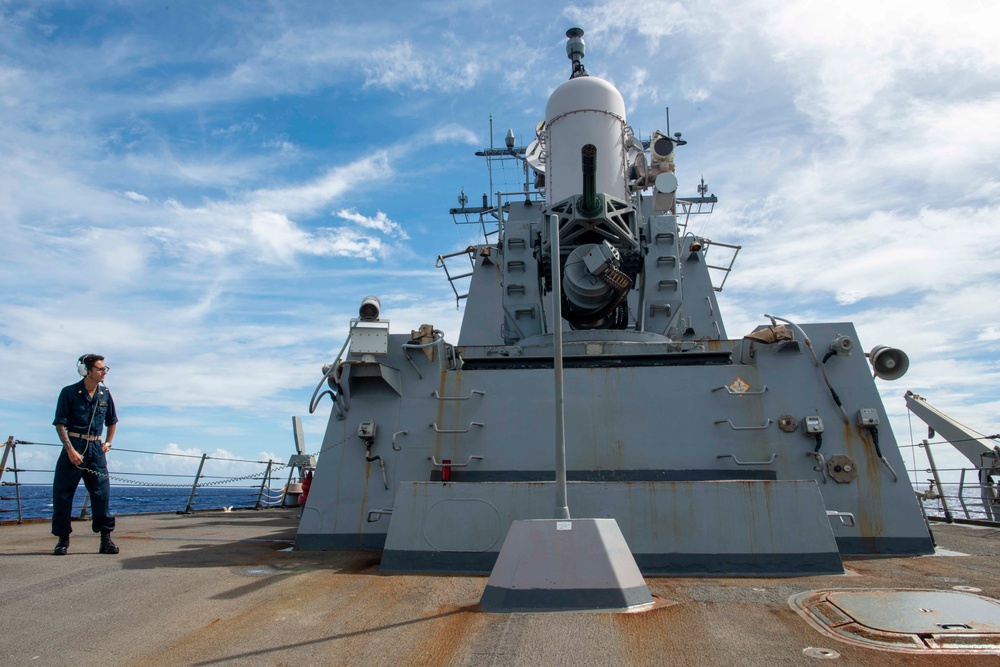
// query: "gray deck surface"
[[222, 589]]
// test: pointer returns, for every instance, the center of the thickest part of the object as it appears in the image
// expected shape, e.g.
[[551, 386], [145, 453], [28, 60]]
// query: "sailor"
[[82, 412]]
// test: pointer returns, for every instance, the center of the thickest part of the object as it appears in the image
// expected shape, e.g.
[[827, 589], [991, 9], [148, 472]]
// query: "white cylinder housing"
[[585, 110]]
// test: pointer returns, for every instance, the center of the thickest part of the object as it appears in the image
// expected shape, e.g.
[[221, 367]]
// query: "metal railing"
[[969, 494], [264, 494]]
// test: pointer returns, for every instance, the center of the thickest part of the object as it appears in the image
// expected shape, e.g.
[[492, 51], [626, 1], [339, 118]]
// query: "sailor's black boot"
[[62, 546], [107, 546]]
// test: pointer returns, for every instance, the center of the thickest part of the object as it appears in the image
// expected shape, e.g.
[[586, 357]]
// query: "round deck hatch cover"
[[905, 620]]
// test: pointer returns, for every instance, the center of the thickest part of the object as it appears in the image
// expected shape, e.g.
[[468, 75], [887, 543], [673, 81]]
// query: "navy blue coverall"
[[83, 415]]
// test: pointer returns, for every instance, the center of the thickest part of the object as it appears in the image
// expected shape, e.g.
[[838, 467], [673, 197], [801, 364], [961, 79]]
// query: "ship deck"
[[220, 588]]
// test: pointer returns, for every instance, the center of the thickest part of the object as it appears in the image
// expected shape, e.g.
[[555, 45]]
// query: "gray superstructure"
[[768, 453]]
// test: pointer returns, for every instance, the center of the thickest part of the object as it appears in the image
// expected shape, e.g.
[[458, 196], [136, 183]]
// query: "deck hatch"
[[905, 620]]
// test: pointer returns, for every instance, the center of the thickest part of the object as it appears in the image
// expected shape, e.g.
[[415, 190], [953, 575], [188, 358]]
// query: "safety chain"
[[336, 444], [219, 482]]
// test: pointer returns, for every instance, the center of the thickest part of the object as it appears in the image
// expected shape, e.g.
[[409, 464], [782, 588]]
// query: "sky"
[[204, 192]]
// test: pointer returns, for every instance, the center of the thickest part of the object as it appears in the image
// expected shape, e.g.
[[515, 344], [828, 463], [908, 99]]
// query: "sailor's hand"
[[105, 446], [74, 457]]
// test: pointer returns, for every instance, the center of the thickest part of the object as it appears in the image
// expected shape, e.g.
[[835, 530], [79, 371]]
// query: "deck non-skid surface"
[[225, 589]]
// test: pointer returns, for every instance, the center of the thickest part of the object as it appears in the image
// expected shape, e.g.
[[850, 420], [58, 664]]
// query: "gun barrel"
[[589, 204]]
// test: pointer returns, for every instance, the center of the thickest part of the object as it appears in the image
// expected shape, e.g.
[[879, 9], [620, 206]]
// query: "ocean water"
[[36, 499]]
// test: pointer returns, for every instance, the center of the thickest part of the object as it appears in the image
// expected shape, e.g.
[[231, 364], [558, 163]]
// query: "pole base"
[[549, 565]]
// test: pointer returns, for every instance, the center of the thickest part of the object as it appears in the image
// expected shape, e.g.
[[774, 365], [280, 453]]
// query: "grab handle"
[[748, 463]]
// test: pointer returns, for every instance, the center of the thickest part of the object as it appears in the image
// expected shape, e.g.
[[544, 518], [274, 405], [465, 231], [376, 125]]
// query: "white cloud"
[[401, 67], [882, 254], [637, 90], [246, 126], [380, 222], [276, 236], [331, 185], [260, 223], [699, 94], [282, 146], [990, 332], [135, 196], [454, 132]]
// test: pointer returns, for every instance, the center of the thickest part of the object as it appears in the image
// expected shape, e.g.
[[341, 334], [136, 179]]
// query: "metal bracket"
[[743, 428], [456, 430], [748, 463]]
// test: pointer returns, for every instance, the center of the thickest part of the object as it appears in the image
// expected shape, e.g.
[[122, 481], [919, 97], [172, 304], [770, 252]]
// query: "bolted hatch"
[[910, 621]]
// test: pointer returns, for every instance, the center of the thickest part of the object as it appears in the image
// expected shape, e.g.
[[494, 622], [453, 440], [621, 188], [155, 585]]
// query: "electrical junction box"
[[812, 425], [366, 429], [868, 417], [370, 338]]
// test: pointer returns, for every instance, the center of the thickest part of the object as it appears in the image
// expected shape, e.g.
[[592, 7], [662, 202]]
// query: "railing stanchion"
[[937, 480], [284, 492], [194, 487], [10, 447], [263, 483], [961, 495]]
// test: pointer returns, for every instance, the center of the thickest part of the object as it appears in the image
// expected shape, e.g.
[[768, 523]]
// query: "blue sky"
[[204, 192]]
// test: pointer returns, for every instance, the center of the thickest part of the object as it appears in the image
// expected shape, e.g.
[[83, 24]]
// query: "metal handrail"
[[452, 430], [956, 501], [748, 463], [744, 428]]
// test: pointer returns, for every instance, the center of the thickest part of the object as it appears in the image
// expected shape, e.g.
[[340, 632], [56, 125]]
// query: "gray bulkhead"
[[632, 424]]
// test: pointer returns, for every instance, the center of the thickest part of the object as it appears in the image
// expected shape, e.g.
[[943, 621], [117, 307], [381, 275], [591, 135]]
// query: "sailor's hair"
[[90, 359]]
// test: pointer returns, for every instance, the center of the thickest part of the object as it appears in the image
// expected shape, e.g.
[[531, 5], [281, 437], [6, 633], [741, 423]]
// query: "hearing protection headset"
[[81, 367]]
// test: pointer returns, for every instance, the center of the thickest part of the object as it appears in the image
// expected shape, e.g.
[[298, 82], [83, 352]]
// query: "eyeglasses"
[[102, 370]]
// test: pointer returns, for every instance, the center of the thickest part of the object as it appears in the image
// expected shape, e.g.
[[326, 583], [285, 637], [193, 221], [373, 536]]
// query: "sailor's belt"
[[88, 438]]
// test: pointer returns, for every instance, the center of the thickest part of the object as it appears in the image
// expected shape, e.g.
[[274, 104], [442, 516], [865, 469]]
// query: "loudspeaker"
[[81, 367], [888, 362]]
